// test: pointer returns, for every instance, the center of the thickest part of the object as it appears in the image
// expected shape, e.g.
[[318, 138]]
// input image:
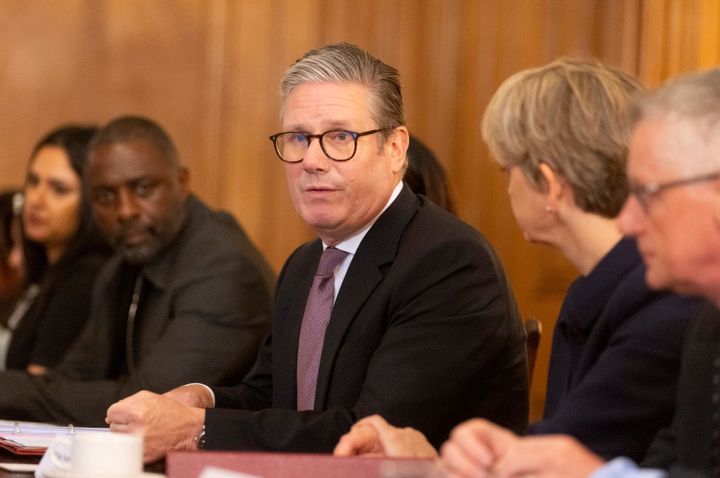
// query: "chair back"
[[533, 332]]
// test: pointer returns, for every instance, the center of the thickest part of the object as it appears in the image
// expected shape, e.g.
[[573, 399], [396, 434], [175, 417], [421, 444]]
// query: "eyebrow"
[[53, 180], [328, 127], [66, 183]]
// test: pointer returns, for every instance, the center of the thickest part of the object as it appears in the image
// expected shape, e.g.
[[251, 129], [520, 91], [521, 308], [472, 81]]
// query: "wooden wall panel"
[[208, 70], [678, 36]]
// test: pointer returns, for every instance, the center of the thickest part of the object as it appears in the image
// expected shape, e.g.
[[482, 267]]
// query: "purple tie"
[[315, 320]]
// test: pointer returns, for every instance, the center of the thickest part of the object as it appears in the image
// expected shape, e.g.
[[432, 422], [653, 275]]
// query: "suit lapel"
[[105, 326], [367, 269]]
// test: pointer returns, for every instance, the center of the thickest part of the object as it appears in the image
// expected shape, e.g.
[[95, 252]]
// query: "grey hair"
[[574, 115], [345, 62], [689, 105]]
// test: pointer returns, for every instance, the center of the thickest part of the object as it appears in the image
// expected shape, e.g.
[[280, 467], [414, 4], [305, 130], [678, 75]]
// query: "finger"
[[116, 413], [119, 427], [474, 445], [360, 440], [527, 457], [458, 463], [345, 446], [376, 421]]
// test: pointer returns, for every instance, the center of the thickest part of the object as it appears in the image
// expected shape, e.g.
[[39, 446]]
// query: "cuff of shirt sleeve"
[[212, 394], [622, 467]]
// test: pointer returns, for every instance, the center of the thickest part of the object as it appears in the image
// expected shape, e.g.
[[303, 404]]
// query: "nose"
[[631, 217], [127, 206], [315, 158]]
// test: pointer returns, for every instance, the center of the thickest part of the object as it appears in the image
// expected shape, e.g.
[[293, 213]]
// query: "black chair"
[[533, 331]]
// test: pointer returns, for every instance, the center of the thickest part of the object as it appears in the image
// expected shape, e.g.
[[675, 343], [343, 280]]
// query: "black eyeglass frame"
[[309, 137], [644, 192]]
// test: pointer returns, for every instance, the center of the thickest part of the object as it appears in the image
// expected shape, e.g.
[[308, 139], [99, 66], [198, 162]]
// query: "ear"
[[396, 148], [555, 185], [184, 179]]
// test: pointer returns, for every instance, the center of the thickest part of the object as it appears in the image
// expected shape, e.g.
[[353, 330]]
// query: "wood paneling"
[[208, 71], [678, 36]]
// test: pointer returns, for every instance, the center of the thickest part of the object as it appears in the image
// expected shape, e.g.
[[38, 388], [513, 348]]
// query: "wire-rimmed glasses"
[[645, 192]]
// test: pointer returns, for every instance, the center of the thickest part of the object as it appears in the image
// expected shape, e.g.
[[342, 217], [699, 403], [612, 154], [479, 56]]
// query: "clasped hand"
[[171, 421]]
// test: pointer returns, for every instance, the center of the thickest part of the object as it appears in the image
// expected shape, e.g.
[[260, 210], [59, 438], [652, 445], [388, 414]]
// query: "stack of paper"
[[31, 438]]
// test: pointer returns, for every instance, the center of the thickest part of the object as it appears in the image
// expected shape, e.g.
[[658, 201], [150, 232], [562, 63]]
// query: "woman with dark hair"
[[63, 252], [426, 175]]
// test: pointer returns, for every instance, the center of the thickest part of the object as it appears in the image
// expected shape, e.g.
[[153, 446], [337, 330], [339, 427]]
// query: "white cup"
[[98, 454]]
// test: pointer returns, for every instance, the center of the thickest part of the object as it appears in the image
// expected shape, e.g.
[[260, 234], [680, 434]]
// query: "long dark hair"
[[426, 175], [73, 139]]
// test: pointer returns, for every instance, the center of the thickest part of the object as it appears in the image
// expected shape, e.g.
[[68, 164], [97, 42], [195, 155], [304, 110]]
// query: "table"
[[297, 465], [7, 457], [270, 465]]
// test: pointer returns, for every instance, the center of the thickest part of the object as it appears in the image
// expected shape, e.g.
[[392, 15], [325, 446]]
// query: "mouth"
[[319, 189], [32, 220], [132, 236]]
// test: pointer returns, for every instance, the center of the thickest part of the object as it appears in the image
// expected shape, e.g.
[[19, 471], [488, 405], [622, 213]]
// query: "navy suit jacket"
[[615, 358], [685, 447], [424, 331]]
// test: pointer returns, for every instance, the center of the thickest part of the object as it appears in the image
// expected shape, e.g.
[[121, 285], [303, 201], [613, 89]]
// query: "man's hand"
[[556, 456], [474, 447], [164, 423], [192, 395], [374, 436]]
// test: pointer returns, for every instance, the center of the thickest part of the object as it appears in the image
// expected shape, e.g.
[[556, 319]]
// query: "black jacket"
[[424, 331]]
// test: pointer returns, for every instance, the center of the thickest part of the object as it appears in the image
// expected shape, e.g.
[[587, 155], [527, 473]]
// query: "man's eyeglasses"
[[337, 144], [645, 192]]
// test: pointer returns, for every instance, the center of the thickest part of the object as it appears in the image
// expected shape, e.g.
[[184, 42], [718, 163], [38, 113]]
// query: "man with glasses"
[[398, 308], [674, 213]]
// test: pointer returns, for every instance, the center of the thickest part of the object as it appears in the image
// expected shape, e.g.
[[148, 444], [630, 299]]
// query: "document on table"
[[33, 438], [18, 467]]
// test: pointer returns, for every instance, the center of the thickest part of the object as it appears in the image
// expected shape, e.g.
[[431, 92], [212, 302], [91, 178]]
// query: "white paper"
[[215, 472], [35, 434], [18, 467]]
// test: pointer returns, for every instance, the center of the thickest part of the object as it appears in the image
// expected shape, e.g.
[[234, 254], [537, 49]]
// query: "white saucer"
[[70, 474]]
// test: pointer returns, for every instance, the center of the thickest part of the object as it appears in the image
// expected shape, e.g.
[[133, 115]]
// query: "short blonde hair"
[[573, 115]]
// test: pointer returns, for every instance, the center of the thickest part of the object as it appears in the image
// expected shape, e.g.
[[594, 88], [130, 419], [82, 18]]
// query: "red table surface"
[[295, 465]]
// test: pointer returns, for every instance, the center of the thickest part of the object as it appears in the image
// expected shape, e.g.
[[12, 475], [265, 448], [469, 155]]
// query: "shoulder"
[[656, 316], [436, 233], [78, 276], [209, 237], [206, 228], [633, 292]]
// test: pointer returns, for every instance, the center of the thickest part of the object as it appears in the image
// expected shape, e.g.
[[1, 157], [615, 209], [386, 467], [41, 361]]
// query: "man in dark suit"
[[186, 298], [674, 175], [423, 329]]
